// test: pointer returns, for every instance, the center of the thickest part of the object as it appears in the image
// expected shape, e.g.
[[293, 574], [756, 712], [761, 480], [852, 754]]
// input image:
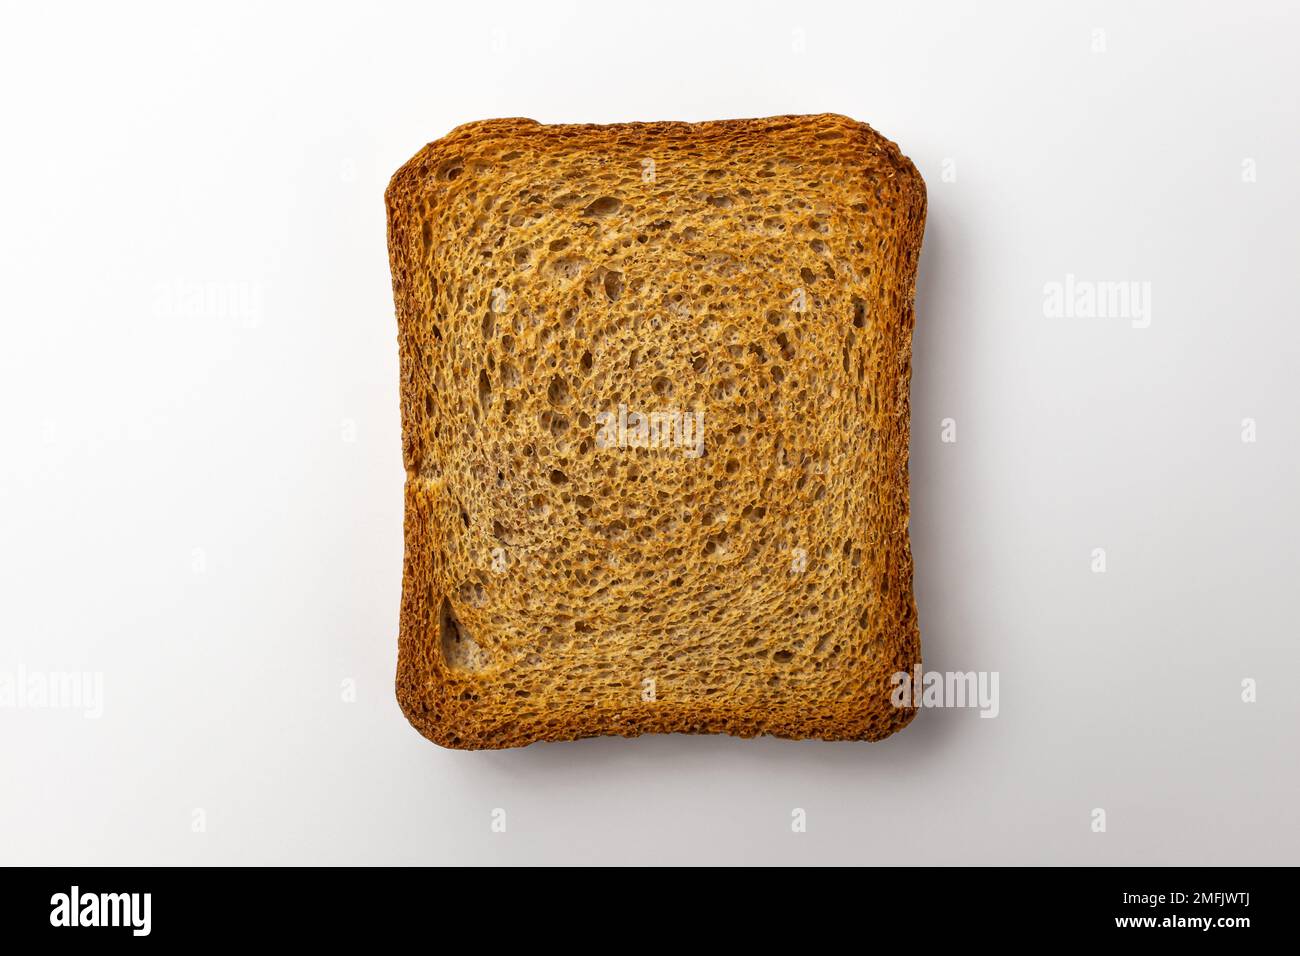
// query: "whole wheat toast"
[[654, 391]]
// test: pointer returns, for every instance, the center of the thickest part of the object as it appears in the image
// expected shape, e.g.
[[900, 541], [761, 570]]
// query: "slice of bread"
[[654, 387]]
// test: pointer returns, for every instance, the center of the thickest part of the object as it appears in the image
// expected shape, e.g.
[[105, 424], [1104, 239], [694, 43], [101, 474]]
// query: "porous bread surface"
[[761, 272]]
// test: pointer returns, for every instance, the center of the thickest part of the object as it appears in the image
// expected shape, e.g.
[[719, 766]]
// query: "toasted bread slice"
[[654, 389]]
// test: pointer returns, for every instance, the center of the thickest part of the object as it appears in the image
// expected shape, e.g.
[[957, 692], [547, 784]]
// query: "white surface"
[[244, 148]]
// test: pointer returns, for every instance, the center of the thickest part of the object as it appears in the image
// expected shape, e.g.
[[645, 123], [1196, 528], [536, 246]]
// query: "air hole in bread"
[[859, 313], [451, 169], [557, 393], [568, 267], [459, 650], [613, 285], [787, 350], [604, 206]]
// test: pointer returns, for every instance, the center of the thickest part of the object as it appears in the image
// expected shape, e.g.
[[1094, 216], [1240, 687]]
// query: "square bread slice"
[[654, 389]]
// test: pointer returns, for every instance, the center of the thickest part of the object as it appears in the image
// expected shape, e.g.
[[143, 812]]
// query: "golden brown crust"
[[554, 589]]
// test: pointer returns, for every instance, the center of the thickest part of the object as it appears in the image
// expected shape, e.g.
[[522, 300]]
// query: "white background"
[[181, 509]]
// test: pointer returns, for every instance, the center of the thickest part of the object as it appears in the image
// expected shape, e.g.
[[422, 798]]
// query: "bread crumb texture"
[[654, 390]]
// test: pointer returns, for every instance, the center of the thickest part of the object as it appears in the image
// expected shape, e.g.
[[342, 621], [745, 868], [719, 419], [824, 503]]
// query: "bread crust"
[[807, 446]]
